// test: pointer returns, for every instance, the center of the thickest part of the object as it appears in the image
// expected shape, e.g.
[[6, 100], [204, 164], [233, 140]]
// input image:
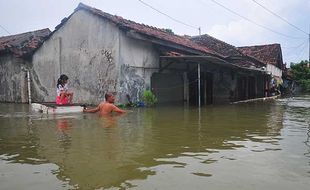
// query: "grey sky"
[[19, 16]]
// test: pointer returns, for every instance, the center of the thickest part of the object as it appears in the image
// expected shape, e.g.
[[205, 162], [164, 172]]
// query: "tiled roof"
[[217, 45], [268, 54], [150, 31], [23, 44], [232, 53]]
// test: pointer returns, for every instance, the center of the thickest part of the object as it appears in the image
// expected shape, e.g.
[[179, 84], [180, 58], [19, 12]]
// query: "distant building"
[[270, 54], [15, 57]]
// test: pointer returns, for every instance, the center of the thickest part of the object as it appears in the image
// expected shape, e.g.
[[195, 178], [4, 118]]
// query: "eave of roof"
[[222, 62], [150, 31]]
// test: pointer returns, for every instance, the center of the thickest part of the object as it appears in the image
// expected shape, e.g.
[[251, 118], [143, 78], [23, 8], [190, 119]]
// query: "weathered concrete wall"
[[168, 87], [260, 86], [97, 57], [138, 61], [13, 85], [86, 49], [223, 84]]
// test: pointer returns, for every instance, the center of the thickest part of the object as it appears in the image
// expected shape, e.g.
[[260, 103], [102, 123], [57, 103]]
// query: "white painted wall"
[[275, 71]]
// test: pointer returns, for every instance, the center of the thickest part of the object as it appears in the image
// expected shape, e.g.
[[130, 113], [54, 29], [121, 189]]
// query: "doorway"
[[206, 88]]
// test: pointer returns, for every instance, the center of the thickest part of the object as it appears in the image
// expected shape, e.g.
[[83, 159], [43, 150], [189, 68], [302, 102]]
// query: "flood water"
[[249, 146]]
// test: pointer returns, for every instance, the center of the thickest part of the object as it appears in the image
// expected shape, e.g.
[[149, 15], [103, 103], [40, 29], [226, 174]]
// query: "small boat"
[[52, 108]]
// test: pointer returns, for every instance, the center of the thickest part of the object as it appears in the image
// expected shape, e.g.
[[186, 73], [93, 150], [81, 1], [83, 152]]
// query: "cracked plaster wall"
[[13, 82], [138, 61], [85, 49], [97, 57]]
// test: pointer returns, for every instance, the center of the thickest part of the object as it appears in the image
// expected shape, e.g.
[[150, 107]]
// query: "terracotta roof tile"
[[23, 44], [268, 54]]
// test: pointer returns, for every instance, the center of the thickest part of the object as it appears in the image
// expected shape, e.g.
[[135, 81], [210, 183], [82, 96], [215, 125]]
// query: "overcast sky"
[[18, 16]]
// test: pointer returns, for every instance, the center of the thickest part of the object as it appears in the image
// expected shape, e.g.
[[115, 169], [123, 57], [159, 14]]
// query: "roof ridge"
[[216, 39], [163, 34], [82, 5], [262, 45]]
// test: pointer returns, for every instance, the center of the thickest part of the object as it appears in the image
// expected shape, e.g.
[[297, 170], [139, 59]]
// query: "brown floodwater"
[[249, 146]]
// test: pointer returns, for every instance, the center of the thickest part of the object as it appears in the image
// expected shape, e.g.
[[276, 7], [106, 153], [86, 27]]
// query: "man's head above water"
[[109, 97], [106, 107]]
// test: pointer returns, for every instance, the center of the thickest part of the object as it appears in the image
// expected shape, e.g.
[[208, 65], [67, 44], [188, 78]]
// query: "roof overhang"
[[206, 59]]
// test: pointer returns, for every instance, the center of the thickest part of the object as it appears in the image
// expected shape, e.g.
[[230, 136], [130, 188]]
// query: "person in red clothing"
[[63, 95]]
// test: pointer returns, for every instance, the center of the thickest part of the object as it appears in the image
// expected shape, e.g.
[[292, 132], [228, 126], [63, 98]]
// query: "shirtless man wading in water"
[[106, 107]]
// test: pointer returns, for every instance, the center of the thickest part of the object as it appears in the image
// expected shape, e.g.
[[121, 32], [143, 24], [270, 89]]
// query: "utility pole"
[[309, 51], [308, 65], [199, 90]]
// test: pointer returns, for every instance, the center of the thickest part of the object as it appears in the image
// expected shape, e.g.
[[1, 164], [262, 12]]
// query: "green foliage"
[[305, 85], [121, 106], [149, 98], [301, 74]]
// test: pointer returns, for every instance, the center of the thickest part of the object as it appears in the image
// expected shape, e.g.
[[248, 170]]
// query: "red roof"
[[23, 44], [148, 30], [268, 54]]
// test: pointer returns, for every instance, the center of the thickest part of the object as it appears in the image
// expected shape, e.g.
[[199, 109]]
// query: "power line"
[[294, 47], [294, 52], [253, 22], [302, 53], [176, 20], [5, 29], [275, 14]]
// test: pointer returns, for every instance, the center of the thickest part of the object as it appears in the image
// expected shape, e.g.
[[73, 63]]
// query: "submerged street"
[[246, 146]]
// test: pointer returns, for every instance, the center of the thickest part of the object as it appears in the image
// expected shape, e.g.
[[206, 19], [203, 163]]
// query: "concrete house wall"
[[273, 70], [223, 83], [13, 81], [138, 61], [97, 57], [176, 86]]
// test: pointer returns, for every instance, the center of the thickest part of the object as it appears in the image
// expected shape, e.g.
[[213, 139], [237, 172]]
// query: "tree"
[[301, 74]]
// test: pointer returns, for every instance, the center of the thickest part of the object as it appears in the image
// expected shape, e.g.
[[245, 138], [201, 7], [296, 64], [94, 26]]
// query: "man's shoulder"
[[106, 104]]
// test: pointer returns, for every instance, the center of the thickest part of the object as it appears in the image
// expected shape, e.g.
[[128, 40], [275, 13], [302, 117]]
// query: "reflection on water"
[[255, 146]]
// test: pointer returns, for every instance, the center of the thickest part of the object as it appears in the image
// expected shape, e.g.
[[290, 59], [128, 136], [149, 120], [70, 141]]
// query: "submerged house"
[[15, 59], [101, 52], [105, 53], [271, 56]]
